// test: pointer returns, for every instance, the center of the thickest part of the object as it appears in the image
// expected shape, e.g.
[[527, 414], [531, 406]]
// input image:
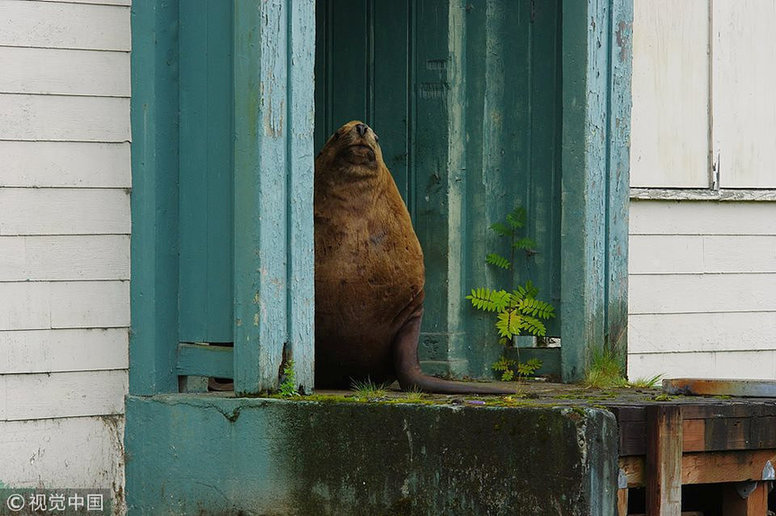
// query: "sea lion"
[[369, 273]]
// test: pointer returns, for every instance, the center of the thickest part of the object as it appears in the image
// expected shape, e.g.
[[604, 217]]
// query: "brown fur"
[[369, 273]]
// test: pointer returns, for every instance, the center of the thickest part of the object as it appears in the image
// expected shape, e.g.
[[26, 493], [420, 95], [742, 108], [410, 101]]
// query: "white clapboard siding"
[[78, 304], [85, 452], [64, 72], [702, 293], [51, 211], [740, 364], [669, 133], [57, 395], [702, 218], [64, 118], [737, 331], [41, 351], [691, 254], [38, 258], [64, 25], [103, 2], [65, 164], [701, 289], [744, 105]]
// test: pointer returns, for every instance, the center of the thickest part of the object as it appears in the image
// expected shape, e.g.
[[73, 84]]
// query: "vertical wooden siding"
[[64, 242], [466, 104]]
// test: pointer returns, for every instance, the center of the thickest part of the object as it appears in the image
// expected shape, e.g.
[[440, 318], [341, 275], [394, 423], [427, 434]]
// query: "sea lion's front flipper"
[[411, 377]]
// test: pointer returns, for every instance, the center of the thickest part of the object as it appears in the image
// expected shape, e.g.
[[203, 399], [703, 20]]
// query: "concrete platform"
[[216, 454]]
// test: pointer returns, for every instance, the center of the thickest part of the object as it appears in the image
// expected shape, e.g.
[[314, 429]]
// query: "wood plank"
[[64, 25], [155, 95], [88, 304], [670, 145], [37, 211], [65, 164], [617, 191], [736, 331], [205, 176], [64, 72], [755, 504], [702, 218], [204, 360], [717, 387], [57, 395], [43, 351], [50, 453], [719, 364], [664, 460], [655, 294], [675, 254], [707, 467], [744, 110], [100, 257], [64, 118]]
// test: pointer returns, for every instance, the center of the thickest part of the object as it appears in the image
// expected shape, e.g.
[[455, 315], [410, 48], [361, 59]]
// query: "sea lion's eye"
[[377, 138], [335, 136]]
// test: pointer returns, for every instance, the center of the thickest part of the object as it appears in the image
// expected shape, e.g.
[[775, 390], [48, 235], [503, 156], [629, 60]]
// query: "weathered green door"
[[467, 106]]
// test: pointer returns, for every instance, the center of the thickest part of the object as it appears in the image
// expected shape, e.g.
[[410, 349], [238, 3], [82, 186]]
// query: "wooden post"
[[594, 225], [664, 460], [756, 504], [273, 173]]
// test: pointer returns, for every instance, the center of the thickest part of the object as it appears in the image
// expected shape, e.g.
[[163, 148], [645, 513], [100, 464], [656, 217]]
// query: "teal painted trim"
[[205, 360], [583, 184], [154, 248], [621, 52], [596, 127], [272, 171], [301, 261]]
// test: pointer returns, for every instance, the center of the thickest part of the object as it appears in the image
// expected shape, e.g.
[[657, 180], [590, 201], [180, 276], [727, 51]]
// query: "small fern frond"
[[488, 300], [509, 323], [536, 308], [530, 367], [527, 290], [498, 261], [501, 229], [516, 218], [525, 244], [533, 326]]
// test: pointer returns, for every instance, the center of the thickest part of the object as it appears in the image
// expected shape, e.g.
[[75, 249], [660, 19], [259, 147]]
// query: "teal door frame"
[[272, 158]]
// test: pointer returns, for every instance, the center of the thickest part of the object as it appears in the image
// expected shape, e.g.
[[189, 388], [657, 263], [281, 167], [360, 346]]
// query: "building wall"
[[702, 289], [64, 242], [703, 218]]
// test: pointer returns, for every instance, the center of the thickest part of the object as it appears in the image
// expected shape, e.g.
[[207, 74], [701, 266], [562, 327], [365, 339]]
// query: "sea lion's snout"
[[361, 129]]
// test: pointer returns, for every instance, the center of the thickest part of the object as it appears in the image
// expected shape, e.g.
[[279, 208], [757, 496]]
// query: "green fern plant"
[[288, 385], [518, 311]]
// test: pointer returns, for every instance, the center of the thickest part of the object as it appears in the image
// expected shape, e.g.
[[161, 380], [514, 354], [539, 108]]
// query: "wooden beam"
[[664, 460], [707, 468]]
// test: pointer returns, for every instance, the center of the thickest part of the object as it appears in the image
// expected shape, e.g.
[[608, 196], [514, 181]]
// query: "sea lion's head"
[[353, 149]]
